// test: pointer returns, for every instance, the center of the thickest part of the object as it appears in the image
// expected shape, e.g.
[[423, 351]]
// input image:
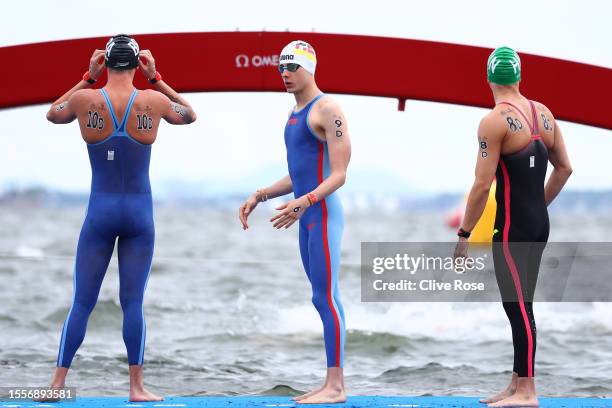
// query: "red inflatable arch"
[[246, 61]]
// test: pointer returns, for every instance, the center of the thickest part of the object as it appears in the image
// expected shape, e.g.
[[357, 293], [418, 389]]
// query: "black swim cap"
[[121, 52]]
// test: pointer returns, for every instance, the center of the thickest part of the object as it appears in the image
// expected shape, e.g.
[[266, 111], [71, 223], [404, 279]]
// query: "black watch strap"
[[463, 233]]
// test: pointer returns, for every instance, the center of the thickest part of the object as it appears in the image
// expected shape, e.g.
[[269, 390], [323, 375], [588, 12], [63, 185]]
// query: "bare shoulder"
[[327, 112], [493, 124], [496, 115], [83, 96], [327, 106], [545, 118], [541, 108], [155, 100], [84, 99], [153, 96]]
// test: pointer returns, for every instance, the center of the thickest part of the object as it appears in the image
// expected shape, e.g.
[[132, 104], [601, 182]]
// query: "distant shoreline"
[[570, 201]]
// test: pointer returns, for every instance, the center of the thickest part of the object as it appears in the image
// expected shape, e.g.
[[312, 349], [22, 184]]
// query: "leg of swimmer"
[[535, 259], [303, 240], [523, 323], [335, 228], [534, 332], [92, 258], [505, 284], [322, 296], [135, 257], [536, 251], [304, 252], [525, 394], [322, 278], [338, 303], [511, 312], [521, 391]]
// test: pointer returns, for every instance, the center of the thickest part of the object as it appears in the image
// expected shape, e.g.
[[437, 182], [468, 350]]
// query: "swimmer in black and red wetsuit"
[[516, 139]]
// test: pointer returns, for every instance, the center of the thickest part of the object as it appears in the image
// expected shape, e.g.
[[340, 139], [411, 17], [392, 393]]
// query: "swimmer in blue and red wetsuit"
[[318, 153], [517, 140], [119, 124]]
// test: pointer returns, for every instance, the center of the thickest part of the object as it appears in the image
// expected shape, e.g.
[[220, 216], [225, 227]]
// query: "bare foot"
[[328, 395], [524, 396], [517, 401], [308, 394], [57, 383], [46, 399], [143, 395], [137, 389], [508, 392]]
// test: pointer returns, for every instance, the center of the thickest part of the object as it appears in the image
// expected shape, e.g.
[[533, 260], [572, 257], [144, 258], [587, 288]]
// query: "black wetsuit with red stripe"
[[521, 232]]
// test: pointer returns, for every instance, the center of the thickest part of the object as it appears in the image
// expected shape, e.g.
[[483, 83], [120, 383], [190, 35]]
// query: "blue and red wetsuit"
[[320, 227]]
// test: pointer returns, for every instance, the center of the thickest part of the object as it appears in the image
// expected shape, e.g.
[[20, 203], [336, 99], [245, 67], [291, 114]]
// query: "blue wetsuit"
[[321, 228], [120, 208]]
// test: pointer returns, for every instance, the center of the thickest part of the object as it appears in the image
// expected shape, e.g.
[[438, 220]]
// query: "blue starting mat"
[[269, 402]]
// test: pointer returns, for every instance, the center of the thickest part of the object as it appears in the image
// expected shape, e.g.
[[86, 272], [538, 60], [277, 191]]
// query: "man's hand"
[[246, 209], [290, 212], [146, 63], [177, 110], [461, 248], [63, 110], [96, 64]]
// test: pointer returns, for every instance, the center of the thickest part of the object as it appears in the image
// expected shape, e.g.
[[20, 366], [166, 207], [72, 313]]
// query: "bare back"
[[516, 115], [95, 119]]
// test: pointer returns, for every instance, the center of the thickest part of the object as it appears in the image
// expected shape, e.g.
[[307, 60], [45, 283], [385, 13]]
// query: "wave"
[[280, 390], [474, 322], [428, 368]]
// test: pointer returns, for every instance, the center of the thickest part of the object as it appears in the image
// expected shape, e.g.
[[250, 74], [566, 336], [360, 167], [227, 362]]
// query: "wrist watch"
[[156, 78], [87, 78], [463, 233]]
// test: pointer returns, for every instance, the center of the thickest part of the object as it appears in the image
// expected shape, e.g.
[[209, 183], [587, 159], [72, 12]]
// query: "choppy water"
[[229, 312]]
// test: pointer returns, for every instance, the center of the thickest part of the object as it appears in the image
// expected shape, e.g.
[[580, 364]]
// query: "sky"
[[392, 151]]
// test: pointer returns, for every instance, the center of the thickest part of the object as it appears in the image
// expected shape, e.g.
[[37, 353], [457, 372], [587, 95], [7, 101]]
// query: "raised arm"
[[557, 155], [175, 109], [63, 109]]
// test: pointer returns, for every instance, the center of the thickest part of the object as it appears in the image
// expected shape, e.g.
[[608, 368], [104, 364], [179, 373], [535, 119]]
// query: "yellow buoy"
[[483, 231]]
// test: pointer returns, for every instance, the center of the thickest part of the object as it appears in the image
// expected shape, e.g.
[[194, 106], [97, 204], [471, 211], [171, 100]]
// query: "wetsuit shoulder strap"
[[534, 115], [110, 108], [128, 109], [314, 100], [308, 108], [521, 112]]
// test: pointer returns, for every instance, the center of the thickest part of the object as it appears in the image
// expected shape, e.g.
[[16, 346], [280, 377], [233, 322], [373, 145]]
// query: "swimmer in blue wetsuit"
[[119, 124], [318, 153]]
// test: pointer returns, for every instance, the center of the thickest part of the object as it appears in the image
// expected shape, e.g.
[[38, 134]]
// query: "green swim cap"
[[504, 66]]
